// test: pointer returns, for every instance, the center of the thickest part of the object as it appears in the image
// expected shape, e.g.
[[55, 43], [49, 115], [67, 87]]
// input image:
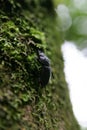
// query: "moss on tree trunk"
[[24, 105]]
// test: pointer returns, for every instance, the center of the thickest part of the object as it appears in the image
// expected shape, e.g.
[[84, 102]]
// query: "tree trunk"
[[25, 27]]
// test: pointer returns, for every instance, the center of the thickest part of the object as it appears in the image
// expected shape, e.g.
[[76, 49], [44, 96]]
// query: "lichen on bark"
[[24, 104]]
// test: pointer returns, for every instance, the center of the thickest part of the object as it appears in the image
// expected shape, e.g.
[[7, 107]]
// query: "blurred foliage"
[[24, 105], [77, 12]]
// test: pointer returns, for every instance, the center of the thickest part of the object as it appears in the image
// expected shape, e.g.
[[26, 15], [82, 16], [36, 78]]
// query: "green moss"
[[24, 104]]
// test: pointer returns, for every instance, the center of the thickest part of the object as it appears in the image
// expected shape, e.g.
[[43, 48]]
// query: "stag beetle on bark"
[[45, 72]]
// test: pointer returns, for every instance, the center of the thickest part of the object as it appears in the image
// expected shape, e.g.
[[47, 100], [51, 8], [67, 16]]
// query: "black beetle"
[[45, 71]]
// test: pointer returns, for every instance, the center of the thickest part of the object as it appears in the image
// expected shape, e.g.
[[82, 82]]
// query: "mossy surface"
[[24, 104]]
